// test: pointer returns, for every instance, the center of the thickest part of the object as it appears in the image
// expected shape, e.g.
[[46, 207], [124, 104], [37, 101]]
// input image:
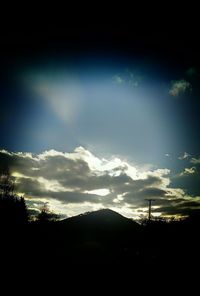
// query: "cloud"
[[127, 77], [179, 87], [79, 180], [189, 180], [195, 160], [185, 155], [118, 79], [188, 171], [182, 207]]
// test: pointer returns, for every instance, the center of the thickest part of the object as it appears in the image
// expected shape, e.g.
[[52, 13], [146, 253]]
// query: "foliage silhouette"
[[102, 238], [13, 208], [46, 215]]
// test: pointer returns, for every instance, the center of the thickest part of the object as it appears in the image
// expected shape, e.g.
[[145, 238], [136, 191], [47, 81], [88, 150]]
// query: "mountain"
[[99, 237], [103, 216], [95, 236], [104, 221]]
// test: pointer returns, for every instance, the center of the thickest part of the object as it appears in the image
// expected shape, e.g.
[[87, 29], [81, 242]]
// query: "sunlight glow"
[[101, 192]]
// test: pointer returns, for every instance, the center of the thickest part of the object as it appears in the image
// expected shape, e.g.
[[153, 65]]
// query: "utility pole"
[[150, 201]]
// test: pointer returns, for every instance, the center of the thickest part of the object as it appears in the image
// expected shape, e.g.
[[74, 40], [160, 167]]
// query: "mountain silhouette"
[[100, 239], [104, 219], [93, 238], [104, 226]]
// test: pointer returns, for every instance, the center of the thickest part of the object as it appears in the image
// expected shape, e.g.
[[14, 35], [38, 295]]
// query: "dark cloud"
[[29, 187], [171, 210], [79, 177], [153, 192], [189, 180], [16, 162], [74, 197]]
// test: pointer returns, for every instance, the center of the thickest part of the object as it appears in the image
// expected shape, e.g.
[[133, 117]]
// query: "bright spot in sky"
[[101, 192]]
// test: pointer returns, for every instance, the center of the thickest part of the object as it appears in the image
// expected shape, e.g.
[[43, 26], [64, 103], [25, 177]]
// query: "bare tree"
[[12, 207], [46, 214], [6, 184]]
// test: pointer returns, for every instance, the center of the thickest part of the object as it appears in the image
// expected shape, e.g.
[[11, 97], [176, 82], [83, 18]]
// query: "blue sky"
[[112, 108], [127, 112]]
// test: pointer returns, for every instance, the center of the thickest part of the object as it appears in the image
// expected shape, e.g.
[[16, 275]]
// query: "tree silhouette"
[[6, 184], [13, 208], [46, 215]]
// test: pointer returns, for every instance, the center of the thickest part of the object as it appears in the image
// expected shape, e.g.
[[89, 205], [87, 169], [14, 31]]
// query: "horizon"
[[94, 118]]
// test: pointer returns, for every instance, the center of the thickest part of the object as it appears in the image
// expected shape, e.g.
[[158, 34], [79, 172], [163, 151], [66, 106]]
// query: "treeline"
[[100, 238], [13, 208]]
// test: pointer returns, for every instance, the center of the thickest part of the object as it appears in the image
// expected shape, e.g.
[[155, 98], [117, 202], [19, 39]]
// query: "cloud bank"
[[78, 181]]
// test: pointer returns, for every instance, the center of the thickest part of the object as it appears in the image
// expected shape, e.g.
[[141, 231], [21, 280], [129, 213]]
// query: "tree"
[[46, 215], [13, 208], [6, 184]]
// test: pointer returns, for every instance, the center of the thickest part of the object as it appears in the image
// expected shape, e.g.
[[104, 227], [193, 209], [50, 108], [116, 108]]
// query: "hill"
[[100, 219], [94, 237]]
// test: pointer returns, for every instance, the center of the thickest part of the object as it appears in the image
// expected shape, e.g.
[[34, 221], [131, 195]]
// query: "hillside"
[[95, 237], [100, 219]]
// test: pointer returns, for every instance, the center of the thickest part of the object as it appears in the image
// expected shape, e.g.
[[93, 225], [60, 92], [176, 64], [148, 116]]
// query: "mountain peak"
[[102, 218], [102, 212]]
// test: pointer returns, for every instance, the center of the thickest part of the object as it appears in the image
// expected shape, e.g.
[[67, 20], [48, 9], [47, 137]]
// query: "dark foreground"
[[101, 239], [103, 251]]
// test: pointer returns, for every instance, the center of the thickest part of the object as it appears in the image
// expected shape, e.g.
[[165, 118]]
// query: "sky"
[[95, 117]]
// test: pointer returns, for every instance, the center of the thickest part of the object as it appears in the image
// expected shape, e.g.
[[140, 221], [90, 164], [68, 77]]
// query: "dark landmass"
[[101, 248], [102, 238]]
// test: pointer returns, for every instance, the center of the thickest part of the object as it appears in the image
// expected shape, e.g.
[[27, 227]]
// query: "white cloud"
[[79, 178], [51, 185], [179, 87], [185, 155], [188, 171], [101, 192], [195, 160]]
